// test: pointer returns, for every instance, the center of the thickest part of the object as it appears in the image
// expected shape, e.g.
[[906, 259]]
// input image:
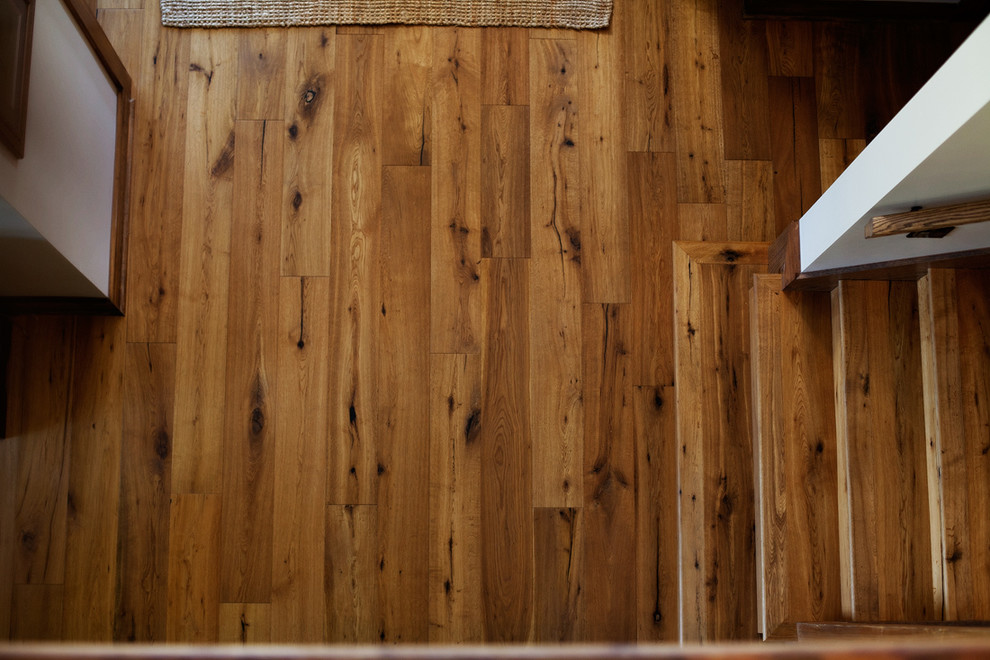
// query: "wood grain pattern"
[[8, 524], [702, 222], [403, 416], [838, 55], [653, 224], [749, 201], [743, 57], [657, 599], [352, 565], [698, 112], [456, 612], [155, 225], [38, 416], [713, 434], [408, 81], [558, 545], [556, 406], [794, 453], [601, 141], [261, 66], [352, 458], [245, 623], [36, 612], [94, 480], [938, 217], [297, 611], [194, 569], [250, 412], [835, 156], [506, 453], [455, 312], [309, 113], [789, 48], [609, 475], [797, 179], [505, 181], [145, 485], [649, 99], [953, 334], [879, 420], [505, 66], [200, 351]]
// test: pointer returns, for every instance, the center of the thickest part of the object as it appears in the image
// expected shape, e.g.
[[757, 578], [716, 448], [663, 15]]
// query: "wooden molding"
[[926, 220], [785, 254], [902, 269]]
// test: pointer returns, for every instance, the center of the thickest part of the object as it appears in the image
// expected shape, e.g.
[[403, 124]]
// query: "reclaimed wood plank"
[[609, 475], [8, 524], [404, 404], [200, 358], [351, 574], [353, 449], [194, 569], [309, 113], [702, 222], [303, 376], [556, 406], [505, 181], [601, 144], [94, 441], [835, 156], [505, 66], [649, 99], [838, 56], [455, 604], [655, 429], [749, 201], [251, 393], [36, 613], [261, 74], [506, 453], [789, 48], [145, 485], [455, 321], [743, 57], [558, 545], [880, 428], [408, 80], [794, 146], [244, 623]]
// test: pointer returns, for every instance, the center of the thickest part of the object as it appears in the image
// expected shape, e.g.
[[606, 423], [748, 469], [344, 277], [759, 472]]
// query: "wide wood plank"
[[36, 612], [408, 82], [749, 201], [455, 605], [953, 336], [145, 485], [250, 412], [200, 357], [649, 99], [351, 574], [403, 417], [835, 156], [245, 623], [711, 322], [657, 601], [556, 406], [261, 73], [505, 66], [299, 514], [696, 71], [880, 430], [789, 48], [309, 97], [609, 475], [745, 102], [194, 569], [455, 312], [558, 545], [506, 453], [601, 144], [94, 480], [838, 56], [797, 179], [155, 222], [505, 181], [8, 523], [794, 453], [41, 362], [352, 458]]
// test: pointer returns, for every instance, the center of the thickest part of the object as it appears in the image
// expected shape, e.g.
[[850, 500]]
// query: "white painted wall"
[[935, 151], [63, 187]]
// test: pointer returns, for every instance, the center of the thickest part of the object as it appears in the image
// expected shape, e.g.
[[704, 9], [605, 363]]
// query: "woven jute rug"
[[581, 14]]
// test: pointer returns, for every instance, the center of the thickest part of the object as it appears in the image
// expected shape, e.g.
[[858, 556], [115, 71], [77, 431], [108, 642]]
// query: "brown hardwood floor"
[[397, 362]]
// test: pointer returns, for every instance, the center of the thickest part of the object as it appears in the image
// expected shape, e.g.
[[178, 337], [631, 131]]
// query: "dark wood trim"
[[5, 337], [13, 136], [17, 306], [901, 269], [965, 10], [784, 256], [117, 72], [928, 219]]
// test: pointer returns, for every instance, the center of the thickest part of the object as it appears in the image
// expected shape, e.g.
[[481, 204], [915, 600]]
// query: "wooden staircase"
[[857, 422]]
